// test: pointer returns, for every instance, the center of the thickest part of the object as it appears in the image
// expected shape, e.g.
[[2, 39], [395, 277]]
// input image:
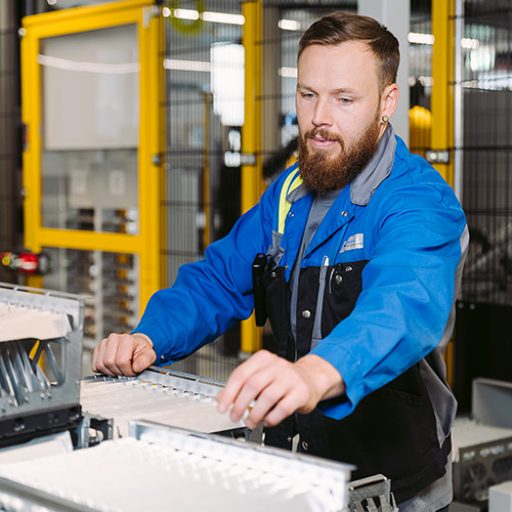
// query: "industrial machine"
[[155, 429], [41, 401], [40, 362], [482, 446], [40, 370]]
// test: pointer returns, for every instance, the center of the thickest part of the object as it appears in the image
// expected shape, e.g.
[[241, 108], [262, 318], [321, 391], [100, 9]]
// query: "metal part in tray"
[[162, 396], [34, 397], [160, 468]]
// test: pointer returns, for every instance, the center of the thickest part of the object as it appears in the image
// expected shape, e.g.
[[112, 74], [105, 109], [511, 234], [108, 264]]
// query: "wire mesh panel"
[[204, 62], [483, 347], [420, 76], [487, 149]]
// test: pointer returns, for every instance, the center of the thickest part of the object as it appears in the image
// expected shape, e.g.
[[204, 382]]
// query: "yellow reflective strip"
[[284, 205], [296, 184]]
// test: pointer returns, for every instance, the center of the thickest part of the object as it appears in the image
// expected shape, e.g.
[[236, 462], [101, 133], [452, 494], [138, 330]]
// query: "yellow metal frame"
[[146, 244], [252, 175], [443, 72], [443, 113]]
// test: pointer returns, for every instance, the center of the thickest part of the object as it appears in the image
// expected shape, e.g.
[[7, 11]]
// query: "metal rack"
[[166, 397], [39, 373], [196, 471]]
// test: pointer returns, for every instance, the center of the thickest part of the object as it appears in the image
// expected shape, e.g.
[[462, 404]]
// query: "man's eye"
[[307, 95], [345, 101]]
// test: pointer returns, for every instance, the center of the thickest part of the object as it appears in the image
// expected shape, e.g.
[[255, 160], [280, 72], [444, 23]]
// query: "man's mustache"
[[324, 134]]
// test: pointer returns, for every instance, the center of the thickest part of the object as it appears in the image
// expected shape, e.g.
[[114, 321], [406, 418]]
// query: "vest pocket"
[[402, 397], [343, 287]]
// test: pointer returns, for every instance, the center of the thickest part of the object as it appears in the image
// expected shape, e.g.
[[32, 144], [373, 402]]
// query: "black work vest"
[[393, 430]]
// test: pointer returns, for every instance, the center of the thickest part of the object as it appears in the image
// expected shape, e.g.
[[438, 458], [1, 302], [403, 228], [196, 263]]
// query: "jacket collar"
[[376, 171], [368, 180]]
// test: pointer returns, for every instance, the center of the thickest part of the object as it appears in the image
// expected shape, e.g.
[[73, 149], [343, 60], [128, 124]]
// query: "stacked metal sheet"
[[161, 396], [162, 469]]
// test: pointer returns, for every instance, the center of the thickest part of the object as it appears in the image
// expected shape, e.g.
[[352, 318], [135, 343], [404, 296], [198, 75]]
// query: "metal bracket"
[[149, 11], [248, 158]]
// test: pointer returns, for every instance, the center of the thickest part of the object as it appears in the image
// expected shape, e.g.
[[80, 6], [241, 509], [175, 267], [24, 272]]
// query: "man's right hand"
[[123, 354]]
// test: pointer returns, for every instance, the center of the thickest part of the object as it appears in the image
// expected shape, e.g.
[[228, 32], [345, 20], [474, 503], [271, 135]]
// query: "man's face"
[[339, 113]]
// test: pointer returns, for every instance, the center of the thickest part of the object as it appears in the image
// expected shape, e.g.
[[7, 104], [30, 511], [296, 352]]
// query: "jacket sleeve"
[[208, 296], [408, 292]]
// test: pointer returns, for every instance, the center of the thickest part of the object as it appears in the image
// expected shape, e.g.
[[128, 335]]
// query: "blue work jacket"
[[400, 216]]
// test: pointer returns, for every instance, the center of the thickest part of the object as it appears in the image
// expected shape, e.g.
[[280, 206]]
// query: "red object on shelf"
[[25, 262]]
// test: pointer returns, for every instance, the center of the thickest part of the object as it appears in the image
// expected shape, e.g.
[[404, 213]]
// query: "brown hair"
[[340, 27]]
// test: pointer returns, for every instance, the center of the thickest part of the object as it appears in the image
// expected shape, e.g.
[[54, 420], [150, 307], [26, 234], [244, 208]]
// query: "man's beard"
[[322, 173]]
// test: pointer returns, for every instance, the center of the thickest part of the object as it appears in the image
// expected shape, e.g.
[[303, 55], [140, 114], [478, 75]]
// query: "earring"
[[385, 119]]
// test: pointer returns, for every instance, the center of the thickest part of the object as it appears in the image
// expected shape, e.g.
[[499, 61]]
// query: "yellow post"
[[252, 171], [443, 115], [443, 71], [31, 152], [30, 81], [150, 152]]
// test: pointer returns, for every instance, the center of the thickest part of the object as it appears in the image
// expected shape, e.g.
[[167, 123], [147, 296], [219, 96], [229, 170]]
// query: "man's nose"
[[322, 114]]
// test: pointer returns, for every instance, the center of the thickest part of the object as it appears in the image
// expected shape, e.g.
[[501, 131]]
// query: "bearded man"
[[364, 245]]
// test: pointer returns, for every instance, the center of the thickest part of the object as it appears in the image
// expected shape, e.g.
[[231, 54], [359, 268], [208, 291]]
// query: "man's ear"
[[389, 100]]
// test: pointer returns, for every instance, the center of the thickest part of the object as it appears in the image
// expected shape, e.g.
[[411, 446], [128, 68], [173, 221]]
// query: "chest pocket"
[[343, 287]]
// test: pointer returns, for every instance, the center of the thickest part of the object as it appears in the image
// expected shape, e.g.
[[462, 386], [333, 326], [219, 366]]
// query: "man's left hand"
[[272, 388]]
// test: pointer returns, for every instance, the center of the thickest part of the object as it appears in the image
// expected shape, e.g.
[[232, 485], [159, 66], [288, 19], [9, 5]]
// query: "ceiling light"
[[288, 25], [470, 44], [186, 14], [222, 17], [187, 65], [286, 72], [210, 16], [418, 38]]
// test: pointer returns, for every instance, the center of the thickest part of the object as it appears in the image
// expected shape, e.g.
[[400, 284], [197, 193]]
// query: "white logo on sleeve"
[[353, 242]]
